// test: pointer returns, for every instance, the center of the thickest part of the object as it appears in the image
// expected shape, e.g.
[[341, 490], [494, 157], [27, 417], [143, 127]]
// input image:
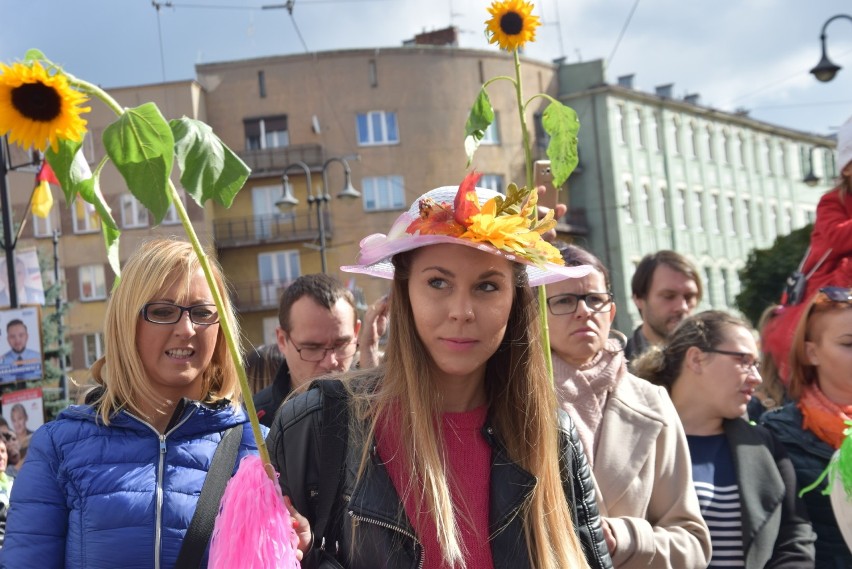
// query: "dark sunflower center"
[[37, 101], [511, 23]]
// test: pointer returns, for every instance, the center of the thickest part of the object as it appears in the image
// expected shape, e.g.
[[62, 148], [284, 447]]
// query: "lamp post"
[[289, 201], [825, 70]]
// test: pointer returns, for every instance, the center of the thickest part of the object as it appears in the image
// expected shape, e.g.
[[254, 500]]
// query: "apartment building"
[[662, 172]]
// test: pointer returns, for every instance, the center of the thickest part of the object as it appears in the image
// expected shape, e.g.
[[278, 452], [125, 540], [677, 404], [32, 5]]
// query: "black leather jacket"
[[385, 537]]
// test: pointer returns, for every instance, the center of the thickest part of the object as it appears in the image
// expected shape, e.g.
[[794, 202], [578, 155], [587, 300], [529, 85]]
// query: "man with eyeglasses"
[[317, 334]]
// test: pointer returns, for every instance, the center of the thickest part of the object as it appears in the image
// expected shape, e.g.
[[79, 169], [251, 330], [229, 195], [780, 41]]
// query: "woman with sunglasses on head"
[[649, 509], [457, 455], [745, 481], [115, 483], [811, 427]]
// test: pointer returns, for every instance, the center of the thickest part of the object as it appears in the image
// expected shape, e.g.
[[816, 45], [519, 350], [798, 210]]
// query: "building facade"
[[664, 173]]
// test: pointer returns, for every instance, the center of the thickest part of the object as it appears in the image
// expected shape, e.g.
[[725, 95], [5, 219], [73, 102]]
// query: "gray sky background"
[[752, 54]]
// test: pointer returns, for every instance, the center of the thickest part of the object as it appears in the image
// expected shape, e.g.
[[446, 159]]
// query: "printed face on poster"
[[20, 345], [27, 279], [24, 411]]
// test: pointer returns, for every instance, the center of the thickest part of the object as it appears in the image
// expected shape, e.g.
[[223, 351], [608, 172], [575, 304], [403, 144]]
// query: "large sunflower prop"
[[38, 108], [512, 24]]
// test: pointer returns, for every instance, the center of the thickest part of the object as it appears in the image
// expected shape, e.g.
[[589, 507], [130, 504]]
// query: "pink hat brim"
[[378, 249]]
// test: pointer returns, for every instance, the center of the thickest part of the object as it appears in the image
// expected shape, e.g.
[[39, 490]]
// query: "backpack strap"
[[333, 442], [201, 527]]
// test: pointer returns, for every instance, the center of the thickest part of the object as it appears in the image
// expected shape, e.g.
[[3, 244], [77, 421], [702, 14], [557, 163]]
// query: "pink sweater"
[[469, 458]]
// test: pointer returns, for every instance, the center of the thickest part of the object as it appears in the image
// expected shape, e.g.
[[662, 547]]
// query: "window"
[[781, 151], [656, 133], [640, 133], [711, 149], [133, 213], [621, 126], [171, 217], [377, 127], [678, 146], [693, 141], [628, 202], [267, 132], [276, 269], [742, 151], [746, 217], [726, 149], [93, 346], [767, 158], [85, 218], [492, 133], [44, 227], [830, 166], [646, 204], [266, 214], [772, 221], [50, 280], [711, 286], [383, 193], [92, 282], [663, 218], [730, 213], [715, 213], [680, 208], [698, 209], [492, 182], [788, 219]]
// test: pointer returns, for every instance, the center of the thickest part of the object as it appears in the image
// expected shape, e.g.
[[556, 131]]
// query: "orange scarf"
[[822, 416]]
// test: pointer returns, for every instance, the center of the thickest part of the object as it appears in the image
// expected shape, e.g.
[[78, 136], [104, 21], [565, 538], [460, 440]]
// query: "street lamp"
[[289, 201], [825, 70]]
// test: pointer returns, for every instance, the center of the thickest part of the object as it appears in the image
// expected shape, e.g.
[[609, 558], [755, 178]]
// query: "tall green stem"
[[528, 163], [211, 282]]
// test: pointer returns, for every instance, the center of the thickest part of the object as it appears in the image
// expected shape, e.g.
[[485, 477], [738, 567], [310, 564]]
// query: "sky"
[[736, 54]]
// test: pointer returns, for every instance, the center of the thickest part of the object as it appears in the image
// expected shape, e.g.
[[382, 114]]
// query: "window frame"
[[395, 193], [369, 137], [99, 275]]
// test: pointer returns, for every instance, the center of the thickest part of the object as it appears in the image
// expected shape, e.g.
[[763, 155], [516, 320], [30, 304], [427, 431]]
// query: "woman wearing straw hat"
[[457, 454]]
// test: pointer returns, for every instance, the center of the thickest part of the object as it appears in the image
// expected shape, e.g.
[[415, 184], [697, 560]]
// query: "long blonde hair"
[[523, 408], [155, 266]]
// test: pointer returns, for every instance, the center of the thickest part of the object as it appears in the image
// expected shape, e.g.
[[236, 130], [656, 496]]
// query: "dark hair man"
[[317, 334], [666, 289]]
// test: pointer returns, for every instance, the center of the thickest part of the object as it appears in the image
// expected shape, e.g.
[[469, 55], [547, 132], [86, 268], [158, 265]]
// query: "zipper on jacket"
[[161, 459], [417, 545]]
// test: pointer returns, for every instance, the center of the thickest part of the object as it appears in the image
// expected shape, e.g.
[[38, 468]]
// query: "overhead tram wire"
[[621, 33]]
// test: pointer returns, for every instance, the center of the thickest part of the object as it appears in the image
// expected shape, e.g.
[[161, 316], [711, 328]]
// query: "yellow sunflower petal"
[[38, 108], [512, 24]]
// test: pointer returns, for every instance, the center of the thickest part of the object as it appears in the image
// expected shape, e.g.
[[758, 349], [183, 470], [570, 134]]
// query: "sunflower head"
[[38, 108], [511, 24]]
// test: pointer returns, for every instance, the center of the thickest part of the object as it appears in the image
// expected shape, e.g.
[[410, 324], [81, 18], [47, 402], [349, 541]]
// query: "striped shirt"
[[715, 482]]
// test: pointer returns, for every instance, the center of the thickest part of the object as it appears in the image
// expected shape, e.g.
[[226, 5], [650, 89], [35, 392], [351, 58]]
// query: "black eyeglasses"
[[746, 361], [317, 354], [567, 303], [837, 293], [169, 313]]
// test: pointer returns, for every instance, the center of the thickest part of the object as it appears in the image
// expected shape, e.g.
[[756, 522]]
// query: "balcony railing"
[[257, 295], [271, 228], [574, 222], [274, 160]]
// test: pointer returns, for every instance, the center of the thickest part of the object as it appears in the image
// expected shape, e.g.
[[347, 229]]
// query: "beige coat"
[[643, 474]]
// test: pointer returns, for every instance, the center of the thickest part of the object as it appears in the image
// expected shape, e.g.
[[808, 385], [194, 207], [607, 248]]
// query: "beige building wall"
[[430, 89]]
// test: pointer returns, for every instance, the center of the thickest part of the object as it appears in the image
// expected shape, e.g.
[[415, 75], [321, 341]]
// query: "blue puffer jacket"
[[96, 497]]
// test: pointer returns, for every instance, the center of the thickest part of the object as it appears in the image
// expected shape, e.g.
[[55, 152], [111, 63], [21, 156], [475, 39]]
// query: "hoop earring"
[[619, 338]]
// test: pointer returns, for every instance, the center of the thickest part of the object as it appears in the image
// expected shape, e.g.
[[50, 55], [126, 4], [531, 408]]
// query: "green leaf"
[[33, 55], [111, 235], [141, 145], [480, 118], [561, 123], [64, 165], [209, 169], [90, 191]]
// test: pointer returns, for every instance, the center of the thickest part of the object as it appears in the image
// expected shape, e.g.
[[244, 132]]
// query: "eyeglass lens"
[[837, 293], [318, 354], [567, 303], [168, 313]]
